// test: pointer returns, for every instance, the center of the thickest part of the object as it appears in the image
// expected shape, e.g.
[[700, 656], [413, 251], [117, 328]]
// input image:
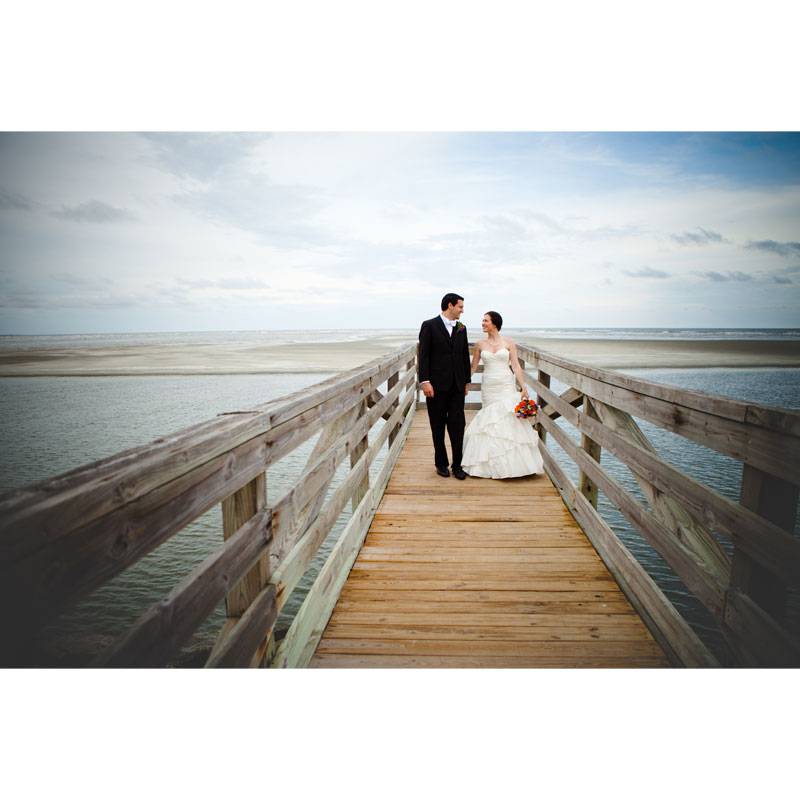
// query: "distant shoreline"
[[326, 357]]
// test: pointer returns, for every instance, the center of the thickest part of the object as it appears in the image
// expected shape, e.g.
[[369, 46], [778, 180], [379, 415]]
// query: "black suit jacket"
[[443, 359]]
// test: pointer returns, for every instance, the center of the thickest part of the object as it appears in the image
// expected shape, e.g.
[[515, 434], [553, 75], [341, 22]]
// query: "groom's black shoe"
[[443, 471], [459, 473]]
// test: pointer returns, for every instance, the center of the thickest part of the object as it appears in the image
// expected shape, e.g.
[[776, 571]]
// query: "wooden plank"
[[358, 450], [769, 440], [248, 632], [56, 564], [168, 624], [672, 632], [673, 514], [761, 539], [301, 640], [294, 565], [369, 661], [779, 420], [706, 585], [593, 451], [756, 605], [564, 650], [32, 515], [237, 510], [766, 642]]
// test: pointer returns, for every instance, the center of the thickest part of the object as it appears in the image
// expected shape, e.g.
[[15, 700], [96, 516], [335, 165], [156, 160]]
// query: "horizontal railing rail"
[[682, 518], [62, 538]]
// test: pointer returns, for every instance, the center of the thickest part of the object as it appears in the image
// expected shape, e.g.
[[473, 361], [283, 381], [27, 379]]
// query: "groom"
[[444, 372]]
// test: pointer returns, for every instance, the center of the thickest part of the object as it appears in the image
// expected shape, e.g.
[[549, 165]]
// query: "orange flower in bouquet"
[[526, 408]]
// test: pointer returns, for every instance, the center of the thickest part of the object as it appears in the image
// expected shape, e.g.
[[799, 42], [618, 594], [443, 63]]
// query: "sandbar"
[[326, 357]]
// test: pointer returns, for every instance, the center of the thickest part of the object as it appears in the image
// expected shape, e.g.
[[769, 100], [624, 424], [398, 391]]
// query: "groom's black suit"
[[444, 361]]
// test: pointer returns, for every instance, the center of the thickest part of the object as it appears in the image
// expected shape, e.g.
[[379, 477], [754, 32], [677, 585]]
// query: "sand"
[[217, 359]]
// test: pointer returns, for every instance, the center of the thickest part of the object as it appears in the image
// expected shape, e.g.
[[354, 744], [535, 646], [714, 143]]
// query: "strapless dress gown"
[[497, 443]]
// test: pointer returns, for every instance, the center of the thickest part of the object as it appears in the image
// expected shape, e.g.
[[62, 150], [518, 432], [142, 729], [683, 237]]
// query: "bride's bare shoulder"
[[508, 342]]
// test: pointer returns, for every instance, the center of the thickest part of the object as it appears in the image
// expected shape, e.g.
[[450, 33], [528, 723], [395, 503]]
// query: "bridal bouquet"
[[526, 408]]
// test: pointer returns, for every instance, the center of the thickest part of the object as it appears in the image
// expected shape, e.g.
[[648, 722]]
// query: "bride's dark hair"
[[497, 320]]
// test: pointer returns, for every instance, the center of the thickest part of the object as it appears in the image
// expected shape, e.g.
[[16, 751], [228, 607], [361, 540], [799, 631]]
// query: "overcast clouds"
[[134, 232]]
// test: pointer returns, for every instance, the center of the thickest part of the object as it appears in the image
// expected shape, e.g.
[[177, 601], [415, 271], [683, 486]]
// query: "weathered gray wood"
[[300, 642], [593, 450], [775, 500], [766, 642], [571, 396], [710, 420], [315, 480], [778, 420], [390, 383], [707, 586], [358, 450], [169, 624], [55, 566], [33, 515], [673, 514], [292, 568], [236, 511], [544, 380], [762, 540], [670, 630], [248, 632]]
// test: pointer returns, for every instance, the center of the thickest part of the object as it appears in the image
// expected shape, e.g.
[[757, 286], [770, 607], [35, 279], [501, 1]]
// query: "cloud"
[[16, 202], [781, 279], [94, 211], [702, 238], [646, 272], [201, 156], [724, 277], [232, 283], [771, 246]]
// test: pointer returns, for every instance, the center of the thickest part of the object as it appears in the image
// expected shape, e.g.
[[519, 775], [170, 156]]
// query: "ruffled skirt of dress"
[[497, 444]]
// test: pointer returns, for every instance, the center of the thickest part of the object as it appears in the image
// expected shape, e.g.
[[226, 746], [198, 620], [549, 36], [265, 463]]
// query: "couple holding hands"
[[497, 443]]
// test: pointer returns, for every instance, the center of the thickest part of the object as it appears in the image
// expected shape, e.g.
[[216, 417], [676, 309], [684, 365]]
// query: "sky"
[[112, 232]]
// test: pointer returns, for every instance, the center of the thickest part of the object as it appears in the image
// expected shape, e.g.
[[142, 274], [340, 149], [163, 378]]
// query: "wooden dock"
[[427, 571], [479, 573]]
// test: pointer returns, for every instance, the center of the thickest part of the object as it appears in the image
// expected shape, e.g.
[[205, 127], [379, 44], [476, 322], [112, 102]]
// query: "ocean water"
[[354, 335], [50, 425]]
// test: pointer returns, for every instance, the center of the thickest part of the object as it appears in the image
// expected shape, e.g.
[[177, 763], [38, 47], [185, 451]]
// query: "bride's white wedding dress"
[[497, 443]]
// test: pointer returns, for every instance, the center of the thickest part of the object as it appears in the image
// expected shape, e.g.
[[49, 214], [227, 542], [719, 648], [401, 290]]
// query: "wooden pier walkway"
[[426, 571], [479, 573]]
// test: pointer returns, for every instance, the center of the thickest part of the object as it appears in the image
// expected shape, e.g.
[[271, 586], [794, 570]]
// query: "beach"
[[214, 358]]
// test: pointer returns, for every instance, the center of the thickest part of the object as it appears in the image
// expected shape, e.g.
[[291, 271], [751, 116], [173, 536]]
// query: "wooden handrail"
[[684, 514], [63, 537]]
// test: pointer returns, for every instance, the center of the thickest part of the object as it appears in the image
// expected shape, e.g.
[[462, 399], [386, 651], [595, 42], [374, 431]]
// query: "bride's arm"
[[476, 358], [512, 351]]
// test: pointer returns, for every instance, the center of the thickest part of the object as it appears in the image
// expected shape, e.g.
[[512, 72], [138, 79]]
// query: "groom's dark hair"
[[450, 300]]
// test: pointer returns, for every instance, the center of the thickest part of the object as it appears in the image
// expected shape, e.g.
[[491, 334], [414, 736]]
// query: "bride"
[[497, 443]]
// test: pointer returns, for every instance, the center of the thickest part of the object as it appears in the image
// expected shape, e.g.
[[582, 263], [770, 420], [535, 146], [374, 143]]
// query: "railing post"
[[585, 486], [544, 379], [355, 454], [390, 384], [775, 500], [236, 510]]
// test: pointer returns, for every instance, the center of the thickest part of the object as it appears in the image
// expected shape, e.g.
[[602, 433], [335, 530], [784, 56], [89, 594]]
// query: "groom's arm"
[[424, 353]]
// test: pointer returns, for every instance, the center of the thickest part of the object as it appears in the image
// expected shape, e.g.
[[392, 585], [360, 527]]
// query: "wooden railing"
[[64, 537], [748, 593]]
